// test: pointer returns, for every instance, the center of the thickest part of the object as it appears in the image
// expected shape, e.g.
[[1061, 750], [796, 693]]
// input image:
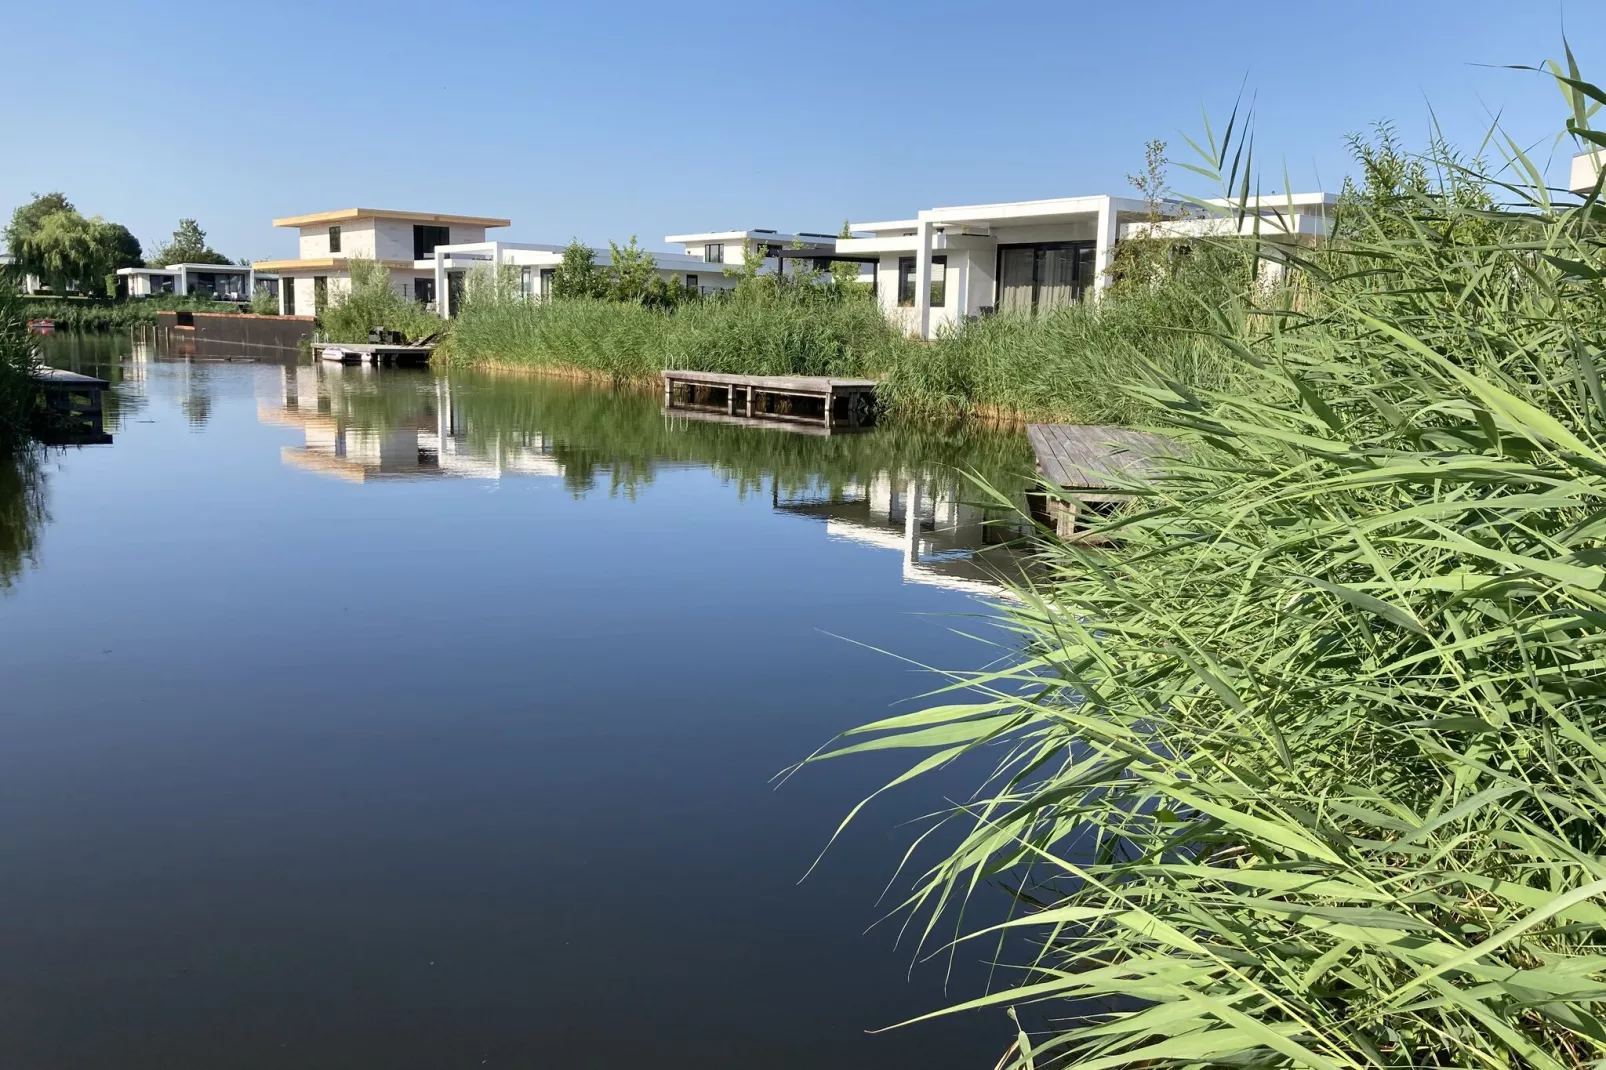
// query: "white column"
[[182, 283], [1109, 227], [443, 295], [923, 279]]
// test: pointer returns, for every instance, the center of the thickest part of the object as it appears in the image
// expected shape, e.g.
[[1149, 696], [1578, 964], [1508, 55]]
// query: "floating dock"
[[1090, 462], [829, 404], [372, 353], [75, 401]]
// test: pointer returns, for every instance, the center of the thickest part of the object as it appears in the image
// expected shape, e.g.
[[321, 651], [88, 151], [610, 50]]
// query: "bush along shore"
[[1057, 366], [1306, 769], [101, 314]]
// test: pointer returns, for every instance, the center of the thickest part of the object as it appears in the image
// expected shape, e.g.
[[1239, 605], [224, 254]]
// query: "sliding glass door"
[[1044, 275]]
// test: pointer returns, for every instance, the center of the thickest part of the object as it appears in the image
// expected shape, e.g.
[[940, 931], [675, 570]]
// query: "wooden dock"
[[372, 353], [832, 404], [74, 401], [1090, 462]]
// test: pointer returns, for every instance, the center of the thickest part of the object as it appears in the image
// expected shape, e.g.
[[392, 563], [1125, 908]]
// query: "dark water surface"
[[401, 720]]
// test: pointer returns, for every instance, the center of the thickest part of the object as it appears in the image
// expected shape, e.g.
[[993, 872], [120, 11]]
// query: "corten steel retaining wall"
[[229, 329]]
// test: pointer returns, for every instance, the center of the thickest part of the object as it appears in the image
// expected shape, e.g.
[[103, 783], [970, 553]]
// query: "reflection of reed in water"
[[22, 511]]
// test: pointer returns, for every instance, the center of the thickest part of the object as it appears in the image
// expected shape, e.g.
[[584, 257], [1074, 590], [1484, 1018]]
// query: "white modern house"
[[536, 266], [222, 282], [404, 242], [730, 247], [946, 264]]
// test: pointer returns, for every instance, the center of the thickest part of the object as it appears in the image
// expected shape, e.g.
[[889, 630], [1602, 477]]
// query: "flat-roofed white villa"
[[946, 264], [731, 247], [223, 282], [404, 242]]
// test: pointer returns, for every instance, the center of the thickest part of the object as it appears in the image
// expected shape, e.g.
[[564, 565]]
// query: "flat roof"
[[325, 263], [343, 214], [173, 269], [735, 235]]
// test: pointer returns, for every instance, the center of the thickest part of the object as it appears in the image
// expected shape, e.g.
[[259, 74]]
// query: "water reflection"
[[22, 511], [899, 489]]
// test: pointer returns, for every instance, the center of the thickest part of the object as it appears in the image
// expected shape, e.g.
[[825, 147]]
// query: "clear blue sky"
[[600, 120]]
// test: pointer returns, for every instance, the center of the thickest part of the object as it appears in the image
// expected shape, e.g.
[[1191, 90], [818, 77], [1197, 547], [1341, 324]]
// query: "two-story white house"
[[404, 242]]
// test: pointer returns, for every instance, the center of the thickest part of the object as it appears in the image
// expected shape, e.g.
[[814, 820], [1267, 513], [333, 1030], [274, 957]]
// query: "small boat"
[[340, 355], [42, 326]]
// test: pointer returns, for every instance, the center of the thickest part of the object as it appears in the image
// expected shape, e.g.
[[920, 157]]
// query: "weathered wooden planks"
[[844, 403], [1090, 456]]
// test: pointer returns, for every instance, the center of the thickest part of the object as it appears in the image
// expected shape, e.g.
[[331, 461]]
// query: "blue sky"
[[600, 120]]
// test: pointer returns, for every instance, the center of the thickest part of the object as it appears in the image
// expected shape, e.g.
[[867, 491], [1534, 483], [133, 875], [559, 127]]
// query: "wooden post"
[[830, 398], [750, 401], [669, 392], [730, 400]]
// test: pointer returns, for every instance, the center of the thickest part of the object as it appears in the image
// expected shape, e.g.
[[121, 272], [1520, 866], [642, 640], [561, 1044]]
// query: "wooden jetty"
[[831, 404], [1089, 462], [372, 353], [75, 402]]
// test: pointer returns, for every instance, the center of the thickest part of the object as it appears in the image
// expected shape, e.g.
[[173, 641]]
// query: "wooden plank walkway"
[[371, 353], [844, 403], [1086, 459]]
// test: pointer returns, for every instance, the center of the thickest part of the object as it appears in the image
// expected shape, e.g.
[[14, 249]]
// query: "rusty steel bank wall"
[[222, 331]]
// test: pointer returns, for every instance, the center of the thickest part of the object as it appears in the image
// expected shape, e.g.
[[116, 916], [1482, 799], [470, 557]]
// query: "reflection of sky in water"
[[400, 769]]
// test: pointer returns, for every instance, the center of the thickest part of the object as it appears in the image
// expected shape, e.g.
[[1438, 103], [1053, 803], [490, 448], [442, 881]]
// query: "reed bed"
[[1058, 366], [1307, 769]]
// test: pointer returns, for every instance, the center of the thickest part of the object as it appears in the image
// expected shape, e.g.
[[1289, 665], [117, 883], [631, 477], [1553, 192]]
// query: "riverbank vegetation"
[[1306, 770], [18, 397], [372, 302], [103, 314], [1058, 365]]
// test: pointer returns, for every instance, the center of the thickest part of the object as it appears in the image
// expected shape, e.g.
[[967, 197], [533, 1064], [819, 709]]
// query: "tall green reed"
[[1306, 769]]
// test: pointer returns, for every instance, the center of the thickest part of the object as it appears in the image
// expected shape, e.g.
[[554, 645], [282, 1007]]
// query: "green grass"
[[1307, 770], [91, 314], [1059, 366]]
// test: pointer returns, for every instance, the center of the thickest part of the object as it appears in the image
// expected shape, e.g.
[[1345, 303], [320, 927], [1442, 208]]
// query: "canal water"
[[394, 719]]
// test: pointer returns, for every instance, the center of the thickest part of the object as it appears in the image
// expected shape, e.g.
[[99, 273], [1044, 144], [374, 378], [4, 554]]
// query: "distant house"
[[536, 266], [404, 242], [729, 248], [222, 282]]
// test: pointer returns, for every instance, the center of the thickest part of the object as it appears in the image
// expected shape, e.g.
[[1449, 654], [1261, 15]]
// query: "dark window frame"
[[334, 239], [906, 282], [427, 238], [320, 294], [1083, 286], [714, 253]]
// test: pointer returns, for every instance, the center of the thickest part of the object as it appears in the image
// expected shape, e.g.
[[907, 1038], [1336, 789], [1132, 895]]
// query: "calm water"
[[394, 720]]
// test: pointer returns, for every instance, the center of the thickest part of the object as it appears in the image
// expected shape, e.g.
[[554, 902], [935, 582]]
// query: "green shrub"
[[264, 302], [18, 359], [1306, 769], [372, 302], [96, 314]]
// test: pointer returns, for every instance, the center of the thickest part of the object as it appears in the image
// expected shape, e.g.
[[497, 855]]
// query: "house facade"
[[404, 242], [729, 248], [533, 267], [944, 265], [222, 282]]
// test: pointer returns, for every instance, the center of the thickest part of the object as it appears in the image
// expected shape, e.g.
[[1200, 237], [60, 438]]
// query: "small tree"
[[632, 273], [845, 274], [26, 218], [187, 247], [578, 276]]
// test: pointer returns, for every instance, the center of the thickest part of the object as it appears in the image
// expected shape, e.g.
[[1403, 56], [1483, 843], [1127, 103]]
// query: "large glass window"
[[288, 288], [714, 254], [426, 238], [334, 239], [424, 290], [546, 281], [320, 294], [1046, 275]]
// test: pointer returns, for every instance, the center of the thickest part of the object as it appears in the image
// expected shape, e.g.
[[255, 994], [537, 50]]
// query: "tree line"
[[52, 241]]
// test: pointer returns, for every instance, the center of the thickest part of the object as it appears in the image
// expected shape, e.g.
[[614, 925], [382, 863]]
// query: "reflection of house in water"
[[945, 541], [355, 432]]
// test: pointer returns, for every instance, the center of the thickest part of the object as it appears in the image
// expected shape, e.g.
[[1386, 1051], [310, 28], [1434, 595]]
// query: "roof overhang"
[[326, 263], [342, 215]]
